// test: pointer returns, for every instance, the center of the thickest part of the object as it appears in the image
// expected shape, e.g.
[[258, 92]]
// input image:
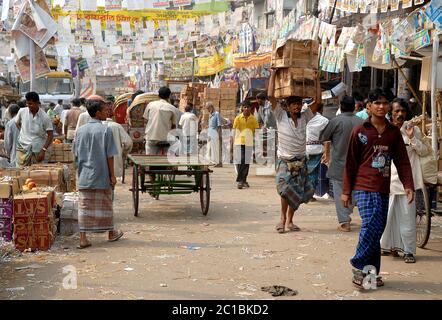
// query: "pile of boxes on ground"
[[191, 93], [39, 202], [224, 100], [296, 64]]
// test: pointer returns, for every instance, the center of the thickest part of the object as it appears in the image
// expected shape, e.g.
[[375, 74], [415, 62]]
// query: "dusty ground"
[[234, 251]]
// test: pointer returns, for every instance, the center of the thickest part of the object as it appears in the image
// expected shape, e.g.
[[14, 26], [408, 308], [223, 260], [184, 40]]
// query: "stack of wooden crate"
[[227, 103], [192, 94], [297, 69]]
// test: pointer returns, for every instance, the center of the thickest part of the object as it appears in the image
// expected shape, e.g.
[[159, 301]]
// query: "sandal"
[[293, 227], [409, 258], [83, 246], [280, 228], [120, 234]]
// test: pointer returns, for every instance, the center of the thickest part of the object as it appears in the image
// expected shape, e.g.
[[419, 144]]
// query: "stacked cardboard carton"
[[34, 221], [8, 187], [224, 101], [297, 69], [69, 214], [61, 153], [192, 93]]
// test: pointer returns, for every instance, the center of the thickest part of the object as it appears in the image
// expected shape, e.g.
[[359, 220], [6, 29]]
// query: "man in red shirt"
[[373, 145]]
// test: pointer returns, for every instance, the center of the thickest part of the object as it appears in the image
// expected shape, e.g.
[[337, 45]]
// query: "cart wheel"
[[423, 217], [205, 193], [135, 190]]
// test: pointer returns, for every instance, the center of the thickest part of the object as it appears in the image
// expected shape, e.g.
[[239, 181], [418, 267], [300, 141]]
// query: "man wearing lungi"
[[292, 181], [400, 231], [94, 149], [36, 132], [373, 145]]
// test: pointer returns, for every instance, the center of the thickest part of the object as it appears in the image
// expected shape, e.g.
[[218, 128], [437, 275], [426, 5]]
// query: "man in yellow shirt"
[[244, 126]]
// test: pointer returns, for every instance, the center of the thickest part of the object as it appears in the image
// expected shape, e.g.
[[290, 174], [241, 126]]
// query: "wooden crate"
[[299, 54], [296, 82]]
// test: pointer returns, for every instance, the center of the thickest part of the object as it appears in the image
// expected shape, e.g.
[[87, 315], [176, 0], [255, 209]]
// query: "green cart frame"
[[158, 175]]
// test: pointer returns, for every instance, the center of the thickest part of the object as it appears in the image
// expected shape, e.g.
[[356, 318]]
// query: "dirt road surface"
[[172, 251]]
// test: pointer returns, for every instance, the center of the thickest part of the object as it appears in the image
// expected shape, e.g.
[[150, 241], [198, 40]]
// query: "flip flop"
[[84, 246], [280, 228], [409, 258], [120, 234], [293, 227]]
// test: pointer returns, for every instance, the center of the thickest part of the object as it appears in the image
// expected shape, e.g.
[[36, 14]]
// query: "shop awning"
[[251, 60]]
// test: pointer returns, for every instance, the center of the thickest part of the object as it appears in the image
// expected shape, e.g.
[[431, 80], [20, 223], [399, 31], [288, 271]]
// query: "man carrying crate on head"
[[291, 171]]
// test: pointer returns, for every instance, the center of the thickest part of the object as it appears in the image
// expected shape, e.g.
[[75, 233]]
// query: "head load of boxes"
[[30, 202]]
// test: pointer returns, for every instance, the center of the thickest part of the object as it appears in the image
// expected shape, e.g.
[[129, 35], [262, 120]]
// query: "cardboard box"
[[37, 234], [50, 175], [227, 105], [296, 82], [6, 229], [6, 208], [37, 205], [299, 54], [228, 94], [61, 153], [68, 227], [9, 187]]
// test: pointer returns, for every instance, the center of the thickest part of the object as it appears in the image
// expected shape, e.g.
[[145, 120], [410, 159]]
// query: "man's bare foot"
[[114, 235], [293, 227]]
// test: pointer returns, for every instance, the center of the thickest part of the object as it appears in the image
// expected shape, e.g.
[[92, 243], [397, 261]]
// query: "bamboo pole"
[[424, 112], [408, 83], [434, 138]]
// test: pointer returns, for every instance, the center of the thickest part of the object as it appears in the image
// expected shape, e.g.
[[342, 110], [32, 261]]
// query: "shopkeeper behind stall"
[[36, 132]]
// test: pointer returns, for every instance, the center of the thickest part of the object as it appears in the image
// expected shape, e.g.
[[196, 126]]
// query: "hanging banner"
[[251, 60], [213, 64], [132, 16]]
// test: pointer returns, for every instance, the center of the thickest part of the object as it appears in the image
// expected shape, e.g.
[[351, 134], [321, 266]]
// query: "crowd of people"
[[367, 153]]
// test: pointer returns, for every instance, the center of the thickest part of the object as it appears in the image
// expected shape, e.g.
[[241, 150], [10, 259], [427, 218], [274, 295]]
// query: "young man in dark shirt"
[[373, 145]]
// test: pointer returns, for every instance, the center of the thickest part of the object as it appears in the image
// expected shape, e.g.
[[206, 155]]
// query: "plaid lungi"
[[373, 209], [313, 164], [296, 189], [95, 210]]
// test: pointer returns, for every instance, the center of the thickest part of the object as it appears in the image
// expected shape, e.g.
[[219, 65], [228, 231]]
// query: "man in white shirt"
[[161, 117], [400, 231], [123, 143], [189, 125], [84, 116], [11, 135], [36, 132], [292, 181], [59, 108], [314, 148]]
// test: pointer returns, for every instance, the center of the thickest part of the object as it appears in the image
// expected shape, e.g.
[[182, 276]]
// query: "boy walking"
[[244, 125], [373, 145]]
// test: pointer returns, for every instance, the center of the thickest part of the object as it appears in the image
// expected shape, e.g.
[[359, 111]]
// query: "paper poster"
[[5, 10], [96, 27], [394, 5], [172, 25], [71, 5], [41, 65], [417, 2], [88, 5], [360, 58], [180, 3], [160, 4], [374, 6], [421, 39], [114, 50], [88, 37], [35, 23], [110, 37], [125, 28], [407, 3], [208, 24], [386, 56], [88, 50], [434, 12], [363, 6], [135, 4], [112, 5], [384, 5], [62, 49]]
